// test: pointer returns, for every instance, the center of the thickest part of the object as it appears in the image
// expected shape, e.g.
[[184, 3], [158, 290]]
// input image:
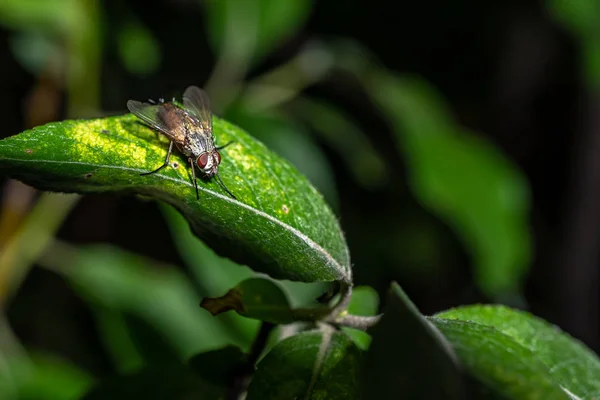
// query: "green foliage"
[[146, 313], [582, 18], [41, 377], [513, 342], [315, 365], [277, 209], [463, 179], [246, 29]]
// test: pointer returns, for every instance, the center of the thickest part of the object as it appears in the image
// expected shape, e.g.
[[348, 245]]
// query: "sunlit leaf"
[[309, 365], [463, 179], [290, 140], [408, 357], [569, 363], [279, 225]]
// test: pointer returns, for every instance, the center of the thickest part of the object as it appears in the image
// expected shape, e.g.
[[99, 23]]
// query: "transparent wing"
[[150, 114], [195, 100]]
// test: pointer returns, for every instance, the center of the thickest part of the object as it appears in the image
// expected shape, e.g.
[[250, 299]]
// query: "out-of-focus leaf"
[[117, 340], [212, 274], [570, 364], [35, 51], [462, 178], [582, 18], [408, 357], [42, 16], [176, 382], [255, 298], [279, 225], [291, 141], [309, 365], [138, 49], [111, 278], [249, 29], [346, 138], [41, 377]]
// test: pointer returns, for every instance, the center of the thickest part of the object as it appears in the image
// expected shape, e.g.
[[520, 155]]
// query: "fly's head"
[[208, 162]]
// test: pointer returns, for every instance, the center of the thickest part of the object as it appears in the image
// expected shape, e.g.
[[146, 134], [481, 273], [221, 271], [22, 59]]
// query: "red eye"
[[218, 156], [202, 160]]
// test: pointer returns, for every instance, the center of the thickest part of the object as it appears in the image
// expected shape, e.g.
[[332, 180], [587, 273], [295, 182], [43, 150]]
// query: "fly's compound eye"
[[202, 160], [218, 157]]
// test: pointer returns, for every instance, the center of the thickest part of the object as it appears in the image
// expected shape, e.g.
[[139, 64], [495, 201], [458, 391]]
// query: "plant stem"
[[242, 378], [356, 321]]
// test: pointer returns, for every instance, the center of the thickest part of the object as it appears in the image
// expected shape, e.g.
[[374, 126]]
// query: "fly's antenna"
[[220, 181]]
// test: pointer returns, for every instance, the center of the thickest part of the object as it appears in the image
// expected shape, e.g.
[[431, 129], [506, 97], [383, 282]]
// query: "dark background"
[[510, 71]]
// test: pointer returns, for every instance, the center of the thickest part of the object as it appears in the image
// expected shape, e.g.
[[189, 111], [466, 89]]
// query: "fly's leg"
[[166, 161], [220, 181], [194, 178]]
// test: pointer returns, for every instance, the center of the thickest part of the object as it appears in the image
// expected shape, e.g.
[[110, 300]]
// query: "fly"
[[189, 128]]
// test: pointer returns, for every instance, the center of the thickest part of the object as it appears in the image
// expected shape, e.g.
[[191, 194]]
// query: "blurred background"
[[456, 141]]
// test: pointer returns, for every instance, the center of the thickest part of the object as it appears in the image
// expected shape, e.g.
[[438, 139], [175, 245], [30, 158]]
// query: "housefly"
[[189, 128]]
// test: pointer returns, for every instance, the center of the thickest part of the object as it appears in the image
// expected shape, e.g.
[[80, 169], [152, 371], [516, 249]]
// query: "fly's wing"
[[195, 101], [162, 117]]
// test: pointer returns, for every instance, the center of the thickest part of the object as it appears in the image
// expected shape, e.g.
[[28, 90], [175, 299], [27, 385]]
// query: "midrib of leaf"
[[326, 335], [310, 243]]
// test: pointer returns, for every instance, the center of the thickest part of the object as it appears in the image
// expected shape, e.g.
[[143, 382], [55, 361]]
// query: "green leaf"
[[48, 17], [290, 140], [570, 364], [138, 49], [309, 365], [408, 357], [38, 376], [582, 18], [251, 28], [461, 178], [364, 301], [162, 297], [117, 340], [279, 225], [500, 363], [256, 298]]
